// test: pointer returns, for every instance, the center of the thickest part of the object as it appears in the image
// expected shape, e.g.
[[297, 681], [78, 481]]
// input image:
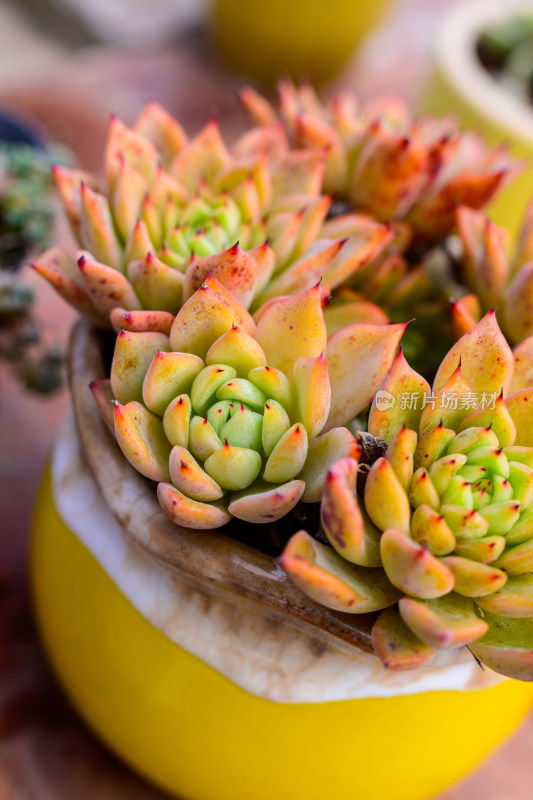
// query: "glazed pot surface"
[[192, 731]]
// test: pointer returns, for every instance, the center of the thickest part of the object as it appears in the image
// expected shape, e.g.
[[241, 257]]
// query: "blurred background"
[[65, 66]]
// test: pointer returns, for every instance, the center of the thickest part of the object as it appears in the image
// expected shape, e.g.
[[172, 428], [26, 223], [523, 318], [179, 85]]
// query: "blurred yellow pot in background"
[[459, 85], [298, 38]]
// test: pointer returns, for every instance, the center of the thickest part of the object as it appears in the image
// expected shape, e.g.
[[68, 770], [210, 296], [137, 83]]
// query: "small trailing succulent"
[[256, 318], [506, 51], [27, 205], [440, 539]]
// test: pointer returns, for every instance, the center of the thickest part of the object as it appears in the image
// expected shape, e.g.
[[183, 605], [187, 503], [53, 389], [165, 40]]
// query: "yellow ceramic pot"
[[460, 86], [300, 38], [192, 731]]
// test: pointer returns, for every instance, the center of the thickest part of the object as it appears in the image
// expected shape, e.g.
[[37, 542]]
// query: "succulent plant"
[[441, 540], [26, 199], [494, 277], [238, 419], [174, 210], [384, 162]]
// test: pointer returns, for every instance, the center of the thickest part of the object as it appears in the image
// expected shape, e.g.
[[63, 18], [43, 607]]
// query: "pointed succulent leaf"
[[141, 321], [292, 327], [236, 349], [156, 285], [159, 127], [464, 523], [182, 510], [472, 578], [385, 499], [400, 455], [128, 192], [203, 319], [97, 231], [466, 312], [497, 418], [517, 560], [273, 383], [432, 445], [233, 467], [139, 243], [430, 529], [138, 151], [234, 268], [507, 647], [412, 568], [312, 393], [396, 645], [68, 183], [176, 420], [107, 287], [169, 375], [444, 623], [305, 272], [322, 453], [485, 358], [422, 491], [485, 550], [330, 580], [352, 536], [522, 530], [263, 502], [141, 438], [446, 407], [288, 456], [400, 380], [368, 348], [202, 158], [243, 391], [188, 476], [474, 438], [515, 599], [445, 469], [523, 366], [63, 274], [518, 318], [520, 407], [131, 359]]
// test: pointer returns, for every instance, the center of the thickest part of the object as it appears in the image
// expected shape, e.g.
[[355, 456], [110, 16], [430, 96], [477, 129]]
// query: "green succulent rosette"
[[237, 418], [441, 540], [173, 209]]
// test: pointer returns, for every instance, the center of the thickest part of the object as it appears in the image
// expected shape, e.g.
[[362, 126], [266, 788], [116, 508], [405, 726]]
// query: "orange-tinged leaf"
[[485, 357], [407, 390], [358, 357], [190, 513], [292, 327], [234, 268], [330, 580], [520, 407], [142, 439], [107, 287]]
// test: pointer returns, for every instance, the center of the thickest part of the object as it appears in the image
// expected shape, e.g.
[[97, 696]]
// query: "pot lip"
[[456, 58], [210, 561]]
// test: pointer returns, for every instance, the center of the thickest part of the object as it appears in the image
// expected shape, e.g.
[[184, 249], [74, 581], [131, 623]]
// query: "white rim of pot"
[[456, 57]]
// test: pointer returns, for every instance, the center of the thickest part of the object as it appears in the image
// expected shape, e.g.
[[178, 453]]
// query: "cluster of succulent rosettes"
[[386, 163], [494, 277], [441, 541], [235, 419], [174, 210]]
